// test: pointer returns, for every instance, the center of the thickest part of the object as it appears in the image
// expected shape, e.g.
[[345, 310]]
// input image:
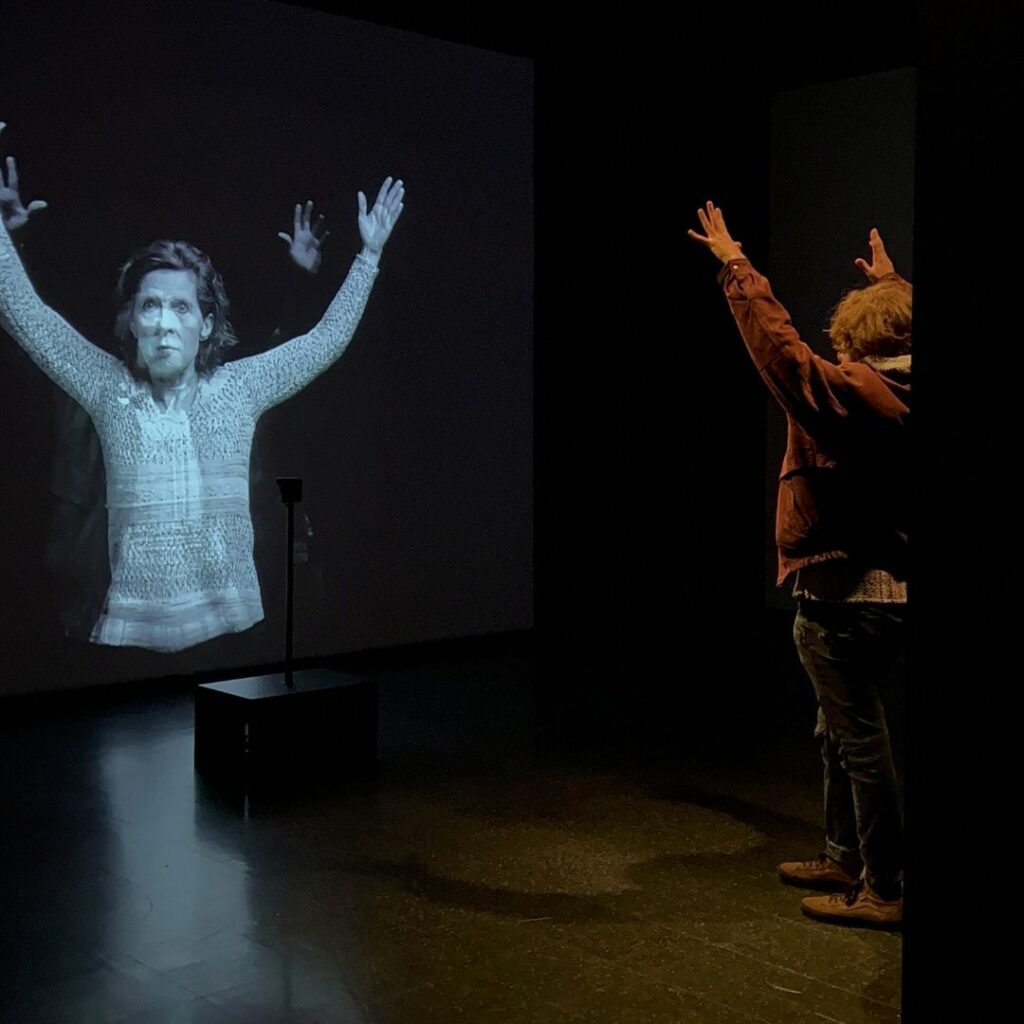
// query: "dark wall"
[[651, 476], [651, 430], [964, 708]]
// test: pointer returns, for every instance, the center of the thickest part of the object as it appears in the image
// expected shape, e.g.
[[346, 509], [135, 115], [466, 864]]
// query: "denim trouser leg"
[[841, 842], [850, 652]]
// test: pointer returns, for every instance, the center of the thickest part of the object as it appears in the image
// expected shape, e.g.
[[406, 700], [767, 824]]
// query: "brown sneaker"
[[861, 905], [823, 873]]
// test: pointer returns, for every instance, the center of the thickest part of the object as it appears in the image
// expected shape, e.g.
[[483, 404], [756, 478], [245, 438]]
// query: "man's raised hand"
[[880, 264], [716, 235]]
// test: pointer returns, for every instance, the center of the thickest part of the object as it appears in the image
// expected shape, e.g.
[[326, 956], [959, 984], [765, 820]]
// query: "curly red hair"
[[873, 321]]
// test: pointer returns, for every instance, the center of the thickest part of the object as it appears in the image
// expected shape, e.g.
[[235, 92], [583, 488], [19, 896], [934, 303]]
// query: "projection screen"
[[144, 535]]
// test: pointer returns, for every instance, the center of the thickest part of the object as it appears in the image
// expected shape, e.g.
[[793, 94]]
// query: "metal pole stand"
[[291, 492]]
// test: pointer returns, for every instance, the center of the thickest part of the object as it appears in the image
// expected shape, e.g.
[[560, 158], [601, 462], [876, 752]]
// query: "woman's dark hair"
[[167, 255]]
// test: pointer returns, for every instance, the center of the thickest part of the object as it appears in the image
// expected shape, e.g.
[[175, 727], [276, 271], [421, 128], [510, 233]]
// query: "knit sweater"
[[180, 532]]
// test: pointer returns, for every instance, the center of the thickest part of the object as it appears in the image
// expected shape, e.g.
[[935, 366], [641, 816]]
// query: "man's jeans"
[[855, 656]]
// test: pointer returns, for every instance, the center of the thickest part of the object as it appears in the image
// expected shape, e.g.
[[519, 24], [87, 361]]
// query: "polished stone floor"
[[474, 880]]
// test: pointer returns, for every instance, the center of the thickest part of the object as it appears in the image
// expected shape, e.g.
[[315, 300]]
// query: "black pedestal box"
[[259, 732]]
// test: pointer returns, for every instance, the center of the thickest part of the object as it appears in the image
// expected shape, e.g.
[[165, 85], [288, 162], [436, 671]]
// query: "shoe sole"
[[853, 922]]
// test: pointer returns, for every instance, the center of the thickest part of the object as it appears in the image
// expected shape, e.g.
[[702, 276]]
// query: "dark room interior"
[[535, 546]]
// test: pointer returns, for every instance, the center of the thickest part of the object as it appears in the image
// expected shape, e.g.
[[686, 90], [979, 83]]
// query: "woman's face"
[[168, 323]]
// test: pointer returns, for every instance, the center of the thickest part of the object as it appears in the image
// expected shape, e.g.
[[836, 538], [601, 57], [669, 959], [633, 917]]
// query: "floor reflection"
[[471, 881]]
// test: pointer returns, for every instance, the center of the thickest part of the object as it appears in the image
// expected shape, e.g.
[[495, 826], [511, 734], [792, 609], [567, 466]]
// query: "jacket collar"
[[893, 366]]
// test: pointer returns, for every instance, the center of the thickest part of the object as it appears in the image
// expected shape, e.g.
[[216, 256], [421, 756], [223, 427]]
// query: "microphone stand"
[[291, 492]]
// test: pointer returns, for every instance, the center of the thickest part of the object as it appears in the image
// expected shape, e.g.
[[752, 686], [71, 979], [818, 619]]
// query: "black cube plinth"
[[258, 731]]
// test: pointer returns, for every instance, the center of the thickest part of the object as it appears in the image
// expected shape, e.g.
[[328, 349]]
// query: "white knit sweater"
[[180, 531]]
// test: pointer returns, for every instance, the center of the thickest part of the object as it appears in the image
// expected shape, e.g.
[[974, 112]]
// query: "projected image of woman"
[[176, 423]]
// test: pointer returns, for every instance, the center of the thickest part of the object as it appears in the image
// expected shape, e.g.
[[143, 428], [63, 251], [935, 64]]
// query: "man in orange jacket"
[[842, 534]]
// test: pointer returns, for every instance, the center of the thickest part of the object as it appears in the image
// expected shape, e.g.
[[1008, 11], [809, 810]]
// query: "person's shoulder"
[[883, 384], [127, 389], [856, 375], [232, 382]]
